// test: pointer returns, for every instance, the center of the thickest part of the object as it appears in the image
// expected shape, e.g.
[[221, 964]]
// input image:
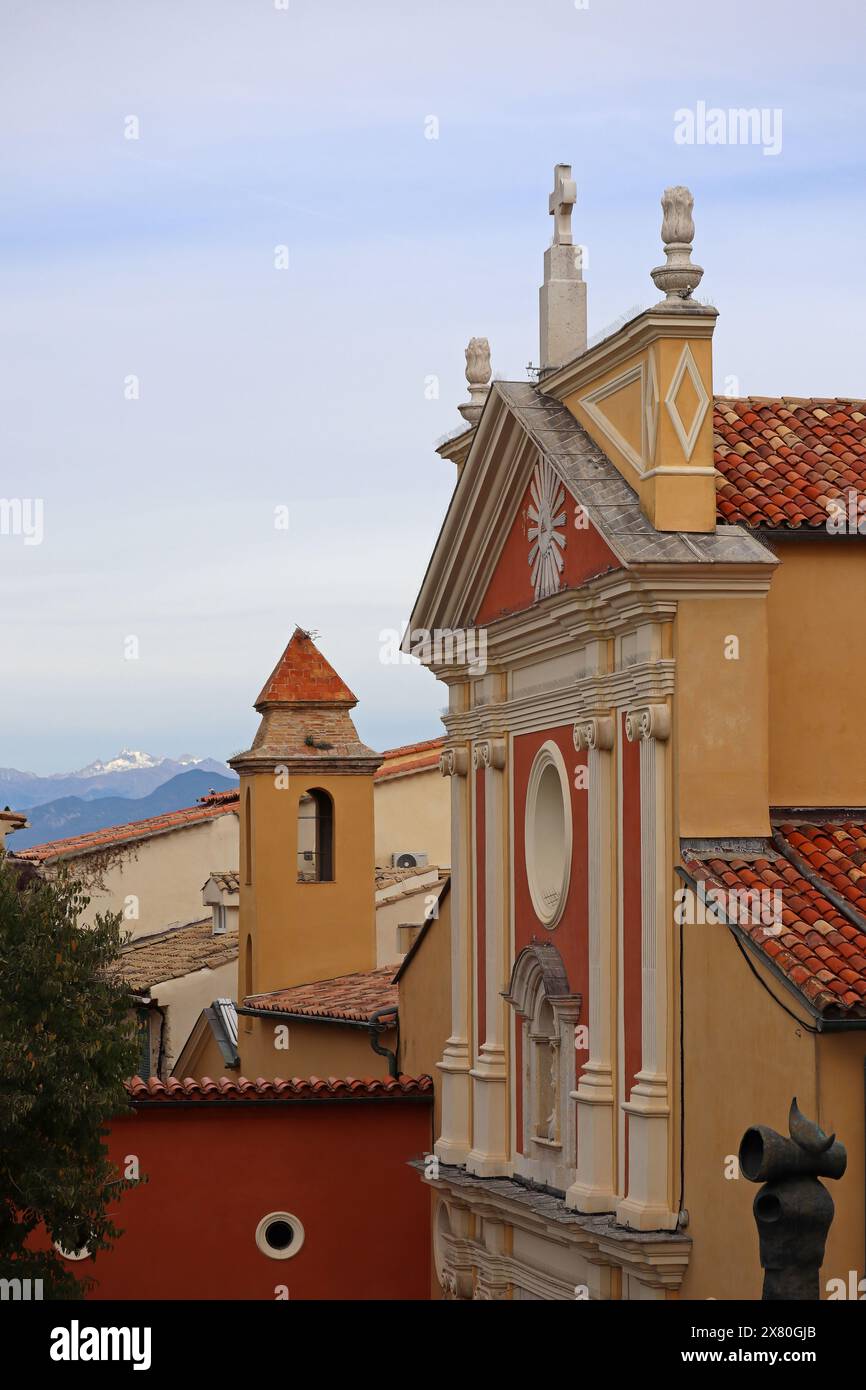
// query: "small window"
[[315, 837], [547, 840], [279, 1235], [219, 920]]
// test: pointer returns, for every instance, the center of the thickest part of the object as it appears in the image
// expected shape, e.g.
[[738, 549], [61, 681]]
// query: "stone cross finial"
[[478, 375], [679, 278], [561, 202]]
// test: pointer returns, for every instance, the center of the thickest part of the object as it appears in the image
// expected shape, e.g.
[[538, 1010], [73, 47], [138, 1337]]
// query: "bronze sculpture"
[[793, 1210]]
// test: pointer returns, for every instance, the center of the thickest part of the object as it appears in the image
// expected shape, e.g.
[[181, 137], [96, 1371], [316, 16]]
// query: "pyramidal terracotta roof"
[[302, 676]]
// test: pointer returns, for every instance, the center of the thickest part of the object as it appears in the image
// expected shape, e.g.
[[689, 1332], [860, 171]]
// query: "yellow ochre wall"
[[425, 1005], [817, 674], [315, 1049], [413, 812], [745, 1058], [720, 718], [306, 931]]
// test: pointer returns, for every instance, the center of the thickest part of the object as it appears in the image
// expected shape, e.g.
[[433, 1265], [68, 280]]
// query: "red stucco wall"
[[214, 1172]]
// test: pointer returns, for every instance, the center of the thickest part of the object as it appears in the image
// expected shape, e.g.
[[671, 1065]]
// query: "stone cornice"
[[656, 1258], [545, 706], [695, 321]]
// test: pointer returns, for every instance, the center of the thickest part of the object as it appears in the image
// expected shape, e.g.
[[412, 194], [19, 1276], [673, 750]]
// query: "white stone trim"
[[454, 1141], [489, 1155], [688, 438], [298, 1237], [594, 1186], [548, 755], [611, 433], [648, 1203]]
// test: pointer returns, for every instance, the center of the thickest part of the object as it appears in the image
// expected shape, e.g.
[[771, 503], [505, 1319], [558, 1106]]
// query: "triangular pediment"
[[516, 533]]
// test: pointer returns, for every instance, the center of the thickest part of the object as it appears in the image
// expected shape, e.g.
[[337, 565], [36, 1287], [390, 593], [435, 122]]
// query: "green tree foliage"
[[66, 1047]]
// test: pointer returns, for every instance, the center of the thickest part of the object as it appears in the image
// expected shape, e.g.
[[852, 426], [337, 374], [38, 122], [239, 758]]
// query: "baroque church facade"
[[629, 739]]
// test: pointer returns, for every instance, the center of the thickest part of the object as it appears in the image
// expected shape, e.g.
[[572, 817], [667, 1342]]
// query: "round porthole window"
[[279, 1235], [81, 1254], [548, 834]]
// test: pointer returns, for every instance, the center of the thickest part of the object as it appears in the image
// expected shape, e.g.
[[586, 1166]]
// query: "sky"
[[243, 244]]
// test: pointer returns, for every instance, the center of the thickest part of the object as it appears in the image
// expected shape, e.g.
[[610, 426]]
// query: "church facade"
[[633, 551]]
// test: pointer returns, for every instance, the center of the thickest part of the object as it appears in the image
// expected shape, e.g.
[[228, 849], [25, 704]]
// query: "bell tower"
[[307, 907]]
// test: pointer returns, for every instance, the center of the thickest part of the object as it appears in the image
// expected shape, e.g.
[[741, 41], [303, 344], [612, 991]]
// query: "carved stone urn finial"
[[793, 1210], [478, 375], [679, 278]]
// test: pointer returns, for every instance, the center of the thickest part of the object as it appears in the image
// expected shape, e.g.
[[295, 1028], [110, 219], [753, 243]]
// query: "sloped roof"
[[783, 461], [303, 676], [153, 1091], [412, 757], [611, 505], [217, 804], [355, 997], [811, 932], [168, 955]]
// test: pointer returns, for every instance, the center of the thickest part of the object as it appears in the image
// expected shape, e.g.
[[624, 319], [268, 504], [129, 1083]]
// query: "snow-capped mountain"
[[128, 759], [130, 773]]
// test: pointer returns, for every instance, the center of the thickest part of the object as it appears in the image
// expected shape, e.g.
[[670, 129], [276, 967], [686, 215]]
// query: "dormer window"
[[315, 837]]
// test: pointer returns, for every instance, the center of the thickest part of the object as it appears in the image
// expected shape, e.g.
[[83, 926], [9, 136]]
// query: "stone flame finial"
[[679, 278], [478, 375]]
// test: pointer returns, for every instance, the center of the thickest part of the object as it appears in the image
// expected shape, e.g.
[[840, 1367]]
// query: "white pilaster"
[[489, 1154], [453, 1144], [594, 1188], [647, 1205]]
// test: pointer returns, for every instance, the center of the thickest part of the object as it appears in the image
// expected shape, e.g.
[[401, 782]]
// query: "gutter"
[[822, 1024], [374, 1025]]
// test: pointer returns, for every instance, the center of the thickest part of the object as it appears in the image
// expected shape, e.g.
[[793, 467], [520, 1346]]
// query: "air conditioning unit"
[[408, 859]]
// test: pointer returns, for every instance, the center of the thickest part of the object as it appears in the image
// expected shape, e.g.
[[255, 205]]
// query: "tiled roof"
[[837, 853], [303, 676], [389, 878], [355, 997], [226, 880], [168, 955], [412, 757], [815, 946], [782, 462], [76, 845], [312, 1088]]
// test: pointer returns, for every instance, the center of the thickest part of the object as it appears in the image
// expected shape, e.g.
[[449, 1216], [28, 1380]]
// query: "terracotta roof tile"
[[153, 1090], [782, 463], [303, 676], [355, 997], [168, 955], [806, 938], [221, 804]]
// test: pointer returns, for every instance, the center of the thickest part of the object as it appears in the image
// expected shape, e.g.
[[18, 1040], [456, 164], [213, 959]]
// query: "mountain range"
[[73, 815], [129, 774]]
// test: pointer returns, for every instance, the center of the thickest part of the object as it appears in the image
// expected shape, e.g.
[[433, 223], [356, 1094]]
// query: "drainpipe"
[[375, 1028]]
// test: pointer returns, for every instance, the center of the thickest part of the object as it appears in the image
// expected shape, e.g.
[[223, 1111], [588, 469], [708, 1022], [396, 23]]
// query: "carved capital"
[[454, 762], [649, 721], [489, 752], [595, 732]]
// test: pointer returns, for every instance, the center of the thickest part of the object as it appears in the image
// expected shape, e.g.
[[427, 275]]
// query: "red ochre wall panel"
[[571, 934], [213, 1173], [631, 912], [510, 590]]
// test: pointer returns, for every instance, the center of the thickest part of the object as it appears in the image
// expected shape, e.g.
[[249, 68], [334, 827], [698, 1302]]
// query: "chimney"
[[562, 297]]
